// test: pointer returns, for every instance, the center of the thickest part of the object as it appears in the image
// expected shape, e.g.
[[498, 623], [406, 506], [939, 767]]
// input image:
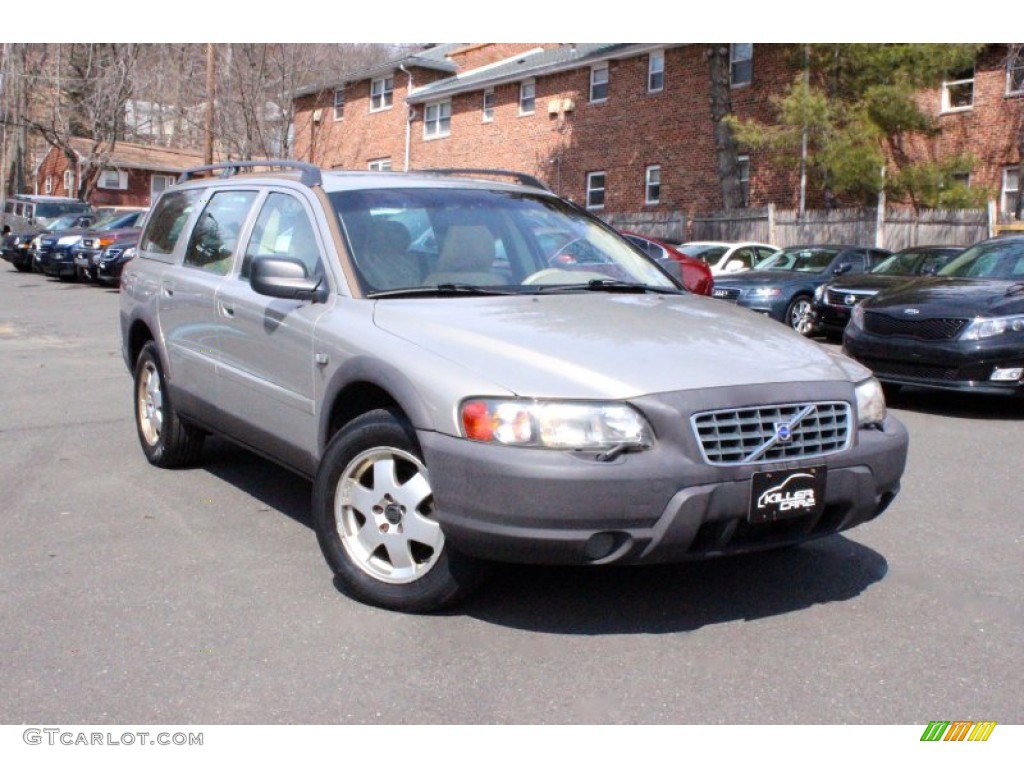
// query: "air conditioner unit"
[[553, 106], [568, 105], [318, 115]]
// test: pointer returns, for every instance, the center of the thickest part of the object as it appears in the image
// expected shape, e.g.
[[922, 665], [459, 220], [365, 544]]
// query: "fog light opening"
[[607, 544], [1006, 374]]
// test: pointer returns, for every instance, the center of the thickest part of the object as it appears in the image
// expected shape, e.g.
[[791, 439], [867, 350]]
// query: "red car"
[[697, 276]]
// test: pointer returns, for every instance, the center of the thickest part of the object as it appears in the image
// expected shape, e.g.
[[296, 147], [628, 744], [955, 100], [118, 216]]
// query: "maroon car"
[[697, 276]]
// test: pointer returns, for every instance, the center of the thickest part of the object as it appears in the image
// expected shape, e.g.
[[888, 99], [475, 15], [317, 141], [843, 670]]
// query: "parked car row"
[[76, 246]]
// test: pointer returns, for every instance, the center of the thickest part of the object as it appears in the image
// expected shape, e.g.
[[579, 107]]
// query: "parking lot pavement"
[[135, 595]]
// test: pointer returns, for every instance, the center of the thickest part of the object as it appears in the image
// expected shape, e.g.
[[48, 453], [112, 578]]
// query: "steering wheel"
[[561, 257]]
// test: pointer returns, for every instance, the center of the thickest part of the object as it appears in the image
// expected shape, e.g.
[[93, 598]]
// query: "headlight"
[[69, 239], [555, 424], [987, 327], [857, 317], [870, 403], [819, 292], [127, 254], [36, 242], [765, 292]]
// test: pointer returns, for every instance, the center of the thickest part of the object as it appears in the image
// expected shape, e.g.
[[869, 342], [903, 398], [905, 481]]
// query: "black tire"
[[800, 315], [383, 543], [23, 267], [166, 440]]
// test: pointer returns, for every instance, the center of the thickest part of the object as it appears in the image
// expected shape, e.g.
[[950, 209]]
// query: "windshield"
[[814, 260], [117, 221], [506, 242], [914, 262], [994, 260], [48, 210], [63, 222]]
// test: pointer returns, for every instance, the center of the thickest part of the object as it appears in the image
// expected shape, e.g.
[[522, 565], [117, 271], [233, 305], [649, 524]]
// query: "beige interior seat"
[[467, 256]]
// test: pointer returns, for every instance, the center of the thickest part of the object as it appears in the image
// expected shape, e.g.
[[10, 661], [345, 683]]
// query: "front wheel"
[[800, 315], [376, 521]]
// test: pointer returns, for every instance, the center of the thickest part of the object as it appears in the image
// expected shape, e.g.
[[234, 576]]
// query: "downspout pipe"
[[409, 112]]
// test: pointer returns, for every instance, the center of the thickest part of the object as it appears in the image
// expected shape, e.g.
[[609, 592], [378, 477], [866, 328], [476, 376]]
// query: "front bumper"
[[964, 366], [59, 264], [661, 505]]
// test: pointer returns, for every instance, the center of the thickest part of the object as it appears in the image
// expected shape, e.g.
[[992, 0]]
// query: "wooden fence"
[[894, 230]]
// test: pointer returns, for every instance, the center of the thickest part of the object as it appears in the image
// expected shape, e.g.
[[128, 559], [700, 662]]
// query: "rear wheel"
[[166, 440], [376, 520], [23, 267], [800, 315]]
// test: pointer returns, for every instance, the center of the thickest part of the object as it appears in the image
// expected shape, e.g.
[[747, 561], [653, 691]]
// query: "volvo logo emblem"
[[911, 311], [850, 300], [783, 431]]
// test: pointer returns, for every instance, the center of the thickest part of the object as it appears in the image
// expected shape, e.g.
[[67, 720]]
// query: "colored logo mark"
[[958, 730]]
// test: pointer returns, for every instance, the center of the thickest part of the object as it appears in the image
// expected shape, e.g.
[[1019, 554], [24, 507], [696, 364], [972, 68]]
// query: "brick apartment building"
[[131, 176], [619, 127]]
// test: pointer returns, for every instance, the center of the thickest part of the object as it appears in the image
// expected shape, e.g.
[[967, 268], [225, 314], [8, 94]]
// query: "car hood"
[[610, 346], [952, 297], [756, 277]]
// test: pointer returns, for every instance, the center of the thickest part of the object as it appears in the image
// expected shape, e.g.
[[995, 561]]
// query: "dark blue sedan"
[[782, 286]]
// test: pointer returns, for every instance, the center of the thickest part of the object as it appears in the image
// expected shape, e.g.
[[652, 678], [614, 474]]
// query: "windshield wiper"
[[442, 289], [608, 286]]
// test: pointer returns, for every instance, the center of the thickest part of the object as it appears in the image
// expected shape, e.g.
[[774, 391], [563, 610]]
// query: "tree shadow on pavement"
[[676, 598]]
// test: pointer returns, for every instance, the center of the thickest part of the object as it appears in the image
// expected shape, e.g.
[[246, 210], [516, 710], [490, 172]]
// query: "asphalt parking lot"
[[136, 595]]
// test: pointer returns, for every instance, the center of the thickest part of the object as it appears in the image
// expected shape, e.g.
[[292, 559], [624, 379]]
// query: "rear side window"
[[215, 236], [167, 221]]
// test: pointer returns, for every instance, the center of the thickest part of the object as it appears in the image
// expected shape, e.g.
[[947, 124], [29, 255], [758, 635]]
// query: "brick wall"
[[137, 195]]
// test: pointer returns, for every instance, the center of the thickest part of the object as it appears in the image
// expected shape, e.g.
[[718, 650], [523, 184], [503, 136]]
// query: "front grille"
[[729, 294], [928, 329], [843, 298], [748, 435], [921, 371], [110, 254]]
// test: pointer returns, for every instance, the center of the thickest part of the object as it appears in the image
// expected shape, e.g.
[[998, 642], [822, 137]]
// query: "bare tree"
[[726, 153]]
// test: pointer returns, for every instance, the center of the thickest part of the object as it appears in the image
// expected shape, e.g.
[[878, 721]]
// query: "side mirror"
[[286, 279], [842, 269]]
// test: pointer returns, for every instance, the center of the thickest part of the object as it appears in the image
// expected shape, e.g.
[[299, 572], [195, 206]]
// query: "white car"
[[727, 258]]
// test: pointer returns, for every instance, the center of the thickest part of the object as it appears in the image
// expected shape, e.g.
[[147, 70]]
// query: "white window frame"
[[1010, 173], [655, 68], [528, 87], [947, 101], [652, 182], [48, 185], [69, 180], [592, 188], [121, 183], [168, 182], [488, 109], [743, 163], [385, 96], [734, 81], [437, 121], [600, 75], [1015, 64], [338, 105], [380, 164]]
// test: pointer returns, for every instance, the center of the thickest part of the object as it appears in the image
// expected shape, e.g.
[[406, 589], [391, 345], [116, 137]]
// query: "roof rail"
[[311, 176], [523, 178]]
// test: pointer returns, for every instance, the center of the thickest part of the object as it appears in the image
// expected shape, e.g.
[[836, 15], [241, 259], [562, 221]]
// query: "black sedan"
[[111, 261], [17, 246], [782, 286], [834, 300], [961, 330]]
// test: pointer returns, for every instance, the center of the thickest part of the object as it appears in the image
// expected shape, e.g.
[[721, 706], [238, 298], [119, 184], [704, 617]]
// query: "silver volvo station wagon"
[[475, 370]]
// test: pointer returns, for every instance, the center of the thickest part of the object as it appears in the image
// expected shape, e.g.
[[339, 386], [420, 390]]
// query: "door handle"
[[227, 310], [167, 288]]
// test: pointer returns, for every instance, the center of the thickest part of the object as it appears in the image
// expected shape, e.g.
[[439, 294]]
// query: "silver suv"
[[474, 370]]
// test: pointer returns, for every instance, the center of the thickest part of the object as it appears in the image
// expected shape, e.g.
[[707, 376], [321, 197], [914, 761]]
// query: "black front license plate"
[[786, 493]]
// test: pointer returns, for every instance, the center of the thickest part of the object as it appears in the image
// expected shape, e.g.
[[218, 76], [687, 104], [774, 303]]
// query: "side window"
[[215, 236], [283, 230], [856, 262], [167, 220]]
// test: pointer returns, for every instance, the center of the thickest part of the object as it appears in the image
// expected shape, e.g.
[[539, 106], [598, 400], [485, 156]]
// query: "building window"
[[958, 93], [1011, 190], [599, 82], [743, 169], [1015, 74], [527, 97], [381, 164], [69, 181], [437, 120], [159, 183], [489, 105], [656, 71], [652, 185], [595, 189], [48, 186], [111, 178], [381, 93], [741, 64], [339, 103]]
